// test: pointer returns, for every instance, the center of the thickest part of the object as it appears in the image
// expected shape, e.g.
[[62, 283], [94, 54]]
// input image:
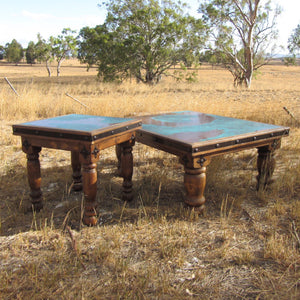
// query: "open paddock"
[[245, 245]]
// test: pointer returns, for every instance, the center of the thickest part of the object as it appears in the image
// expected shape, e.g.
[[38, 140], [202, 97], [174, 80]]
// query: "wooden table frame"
[[196, 155], [85, 147]]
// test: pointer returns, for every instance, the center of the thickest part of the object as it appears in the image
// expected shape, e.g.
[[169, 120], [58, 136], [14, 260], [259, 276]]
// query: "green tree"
[[43, 52], [96, 43], [14, 52], [100, 47], [141, 38], [209, 57], [2, 52], [64, 46], [241, 32], [30, 53], [294, 41], [290, 60]]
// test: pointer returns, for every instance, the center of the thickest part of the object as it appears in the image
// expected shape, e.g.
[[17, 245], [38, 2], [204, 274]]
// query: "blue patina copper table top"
[[195, 129], [76, 125]]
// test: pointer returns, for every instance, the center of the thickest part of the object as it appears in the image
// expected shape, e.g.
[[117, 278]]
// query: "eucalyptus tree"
[[241, 34], [64, 46], [14, 52], [2, 52], [43, 50], [98, 46], [30, 53], [294, 41], [141, 38]]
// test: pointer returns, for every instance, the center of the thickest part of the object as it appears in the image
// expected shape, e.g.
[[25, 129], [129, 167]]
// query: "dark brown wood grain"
[[34, 177], [84, 157], [266, 164], [76, 167], [127, 169]]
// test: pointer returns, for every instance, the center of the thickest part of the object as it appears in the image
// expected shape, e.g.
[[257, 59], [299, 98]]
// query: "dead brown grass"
[[245, 246]]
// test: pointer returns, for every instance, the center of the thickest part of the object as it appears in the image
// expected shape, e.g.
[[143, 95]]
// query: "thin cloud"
[[36, 16], [93, 20], [84, 20]]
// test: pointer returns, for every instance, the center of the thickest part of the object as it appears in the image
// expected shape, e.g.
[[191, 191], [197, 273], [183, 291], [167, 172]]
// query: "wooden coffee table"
[[85, 136], [197, 137]]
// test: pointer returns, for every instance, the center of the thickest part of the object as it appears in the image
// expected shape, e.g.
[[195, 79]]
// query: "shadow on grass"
[[158, 191]]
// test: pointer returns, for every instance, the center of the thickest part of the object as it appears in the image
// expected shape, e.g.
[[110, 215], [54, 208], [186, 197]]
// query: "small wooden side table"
[[85, 136], [197, 137]]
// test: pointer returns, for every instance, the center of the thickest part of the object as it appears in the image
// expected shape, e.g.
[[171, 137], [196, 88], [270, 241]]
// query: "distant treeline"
[[146, 39]]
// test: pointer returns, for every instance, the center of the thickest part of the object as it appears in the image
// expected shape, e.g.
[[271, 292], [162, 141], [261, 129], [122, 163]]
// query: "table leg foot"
[[89, 174], [89, 217], [76, 167], [265, 166], [194, 183], [34, 177]]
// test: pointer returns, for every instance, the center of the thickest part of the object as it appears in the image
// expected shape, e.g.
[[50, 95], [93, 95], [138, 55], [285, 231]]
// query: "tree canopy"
[[30, 53], [2, 52], [141, 38], [144, 39], [294, 41], [43, 50], [14, 52], [241, 33], [63, 46]]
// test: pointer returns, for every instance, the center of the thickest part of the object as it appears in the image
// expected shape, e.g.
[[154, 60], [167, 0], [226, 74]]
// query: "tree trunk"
[[149, 77], [58, 68], [248, 81], [249, 62], [48, 68]]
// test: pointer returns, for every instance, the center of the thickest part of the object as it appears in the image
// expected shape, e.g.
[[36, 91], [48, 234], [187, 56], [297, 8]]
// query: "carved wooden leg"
[[76, 166], [89, 175], [194, 183], [265, 167], [119, 154], [34, 177], [126, 169]]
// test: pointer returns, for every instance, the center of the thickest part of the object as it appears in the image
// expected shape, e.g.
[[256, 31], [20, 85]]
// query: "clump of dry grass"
[[178, 259], [245, 245]]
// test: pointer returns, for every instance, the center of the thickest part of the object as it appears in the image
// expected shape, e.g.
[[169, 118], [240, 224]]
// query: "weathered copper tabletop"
[[77, 127], [85, 136], [196, 137]]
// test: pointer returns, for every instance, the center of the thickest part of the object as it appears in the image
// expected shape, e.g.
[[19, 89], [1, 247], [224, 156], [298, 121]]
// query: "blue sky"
[[24, 19]]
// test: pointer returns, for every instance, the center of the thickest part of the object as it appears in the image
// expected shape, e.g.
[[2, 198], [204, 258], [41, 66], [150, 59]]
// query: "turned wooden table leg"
[[266, 165], [119, 154], [34, 177], [89, 174], [194, 183], [76, 166], [195, 180], [88, 159], [126, 169]]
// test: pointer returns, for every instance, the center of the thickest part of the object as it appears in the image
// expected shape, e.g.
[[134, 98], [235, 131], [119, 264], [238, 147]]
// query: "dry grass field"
[[244, 246]]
